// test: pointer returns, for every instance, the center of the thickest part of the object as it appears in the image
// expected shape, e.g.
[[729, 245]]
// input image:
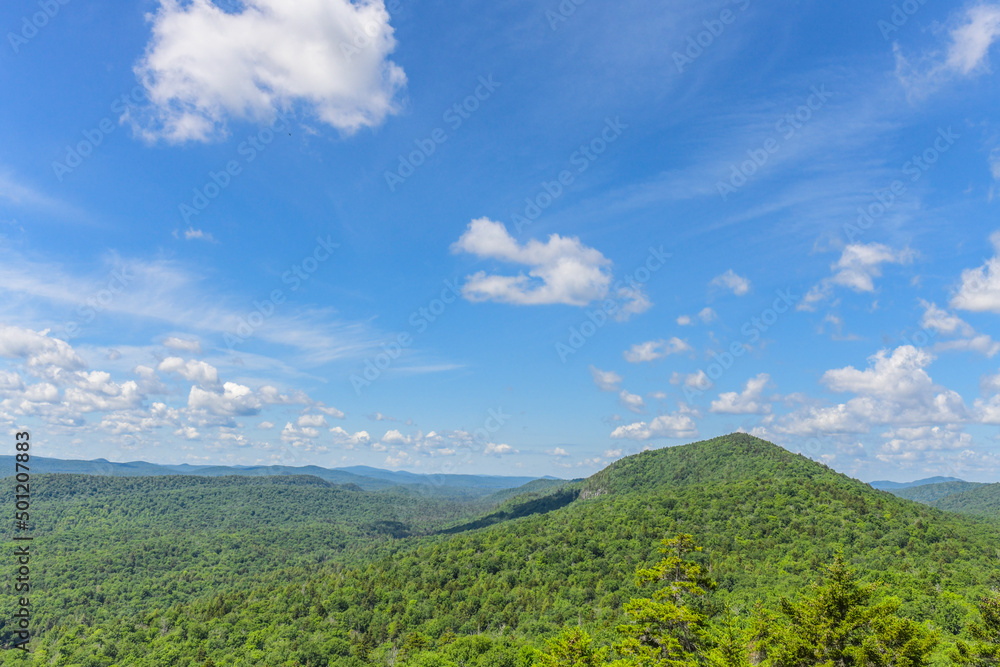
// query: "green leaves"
[[985, 650], [841, 624]]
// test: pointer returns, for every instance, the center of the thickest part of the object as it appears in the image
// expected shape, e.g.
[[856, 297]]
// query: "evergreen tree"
[[985, 651], [666, 630], [840, 625]]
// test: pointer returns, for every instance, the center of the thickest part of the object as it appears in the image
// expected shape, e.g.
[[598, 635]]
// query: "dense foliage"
[[297, 572]]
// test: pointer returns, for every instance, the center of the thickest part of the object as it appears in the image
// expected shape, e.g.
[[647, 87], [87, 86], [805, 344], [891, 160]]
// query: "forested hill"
[[931, 493], [492, 589], [983, 500]]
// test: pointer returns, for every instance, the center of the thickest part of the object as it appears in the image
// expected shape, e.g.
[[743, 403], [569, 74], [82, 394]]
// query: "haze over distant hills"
[[885, 485], [366, 478]]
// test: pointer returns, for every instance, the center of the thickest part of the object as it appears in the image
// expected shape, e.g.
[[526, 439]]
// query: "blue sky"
[[509, 237]]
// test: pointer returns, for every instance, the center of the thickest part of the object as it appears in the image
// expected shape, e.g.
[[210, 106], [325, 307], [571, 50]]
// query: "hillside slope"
[[982, 500], [930, 493], [768, 520]]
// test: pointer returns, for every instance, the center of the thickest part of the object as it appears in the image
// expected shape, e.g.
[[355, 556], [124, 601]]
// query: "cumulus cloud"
[[204, 66], [493, 449], [95, 391], [980, 288], [858, 266], [395, 438], [561, 270], [677, 425], [605, 380], [313, 421], [655, 349], [631, 402], [707, 315], [684, 321], [192, 370], [349, 440], [729, 280], [182, 345], [234, 400], [43, 355], [894, 390], [910, 444], [750, 401]]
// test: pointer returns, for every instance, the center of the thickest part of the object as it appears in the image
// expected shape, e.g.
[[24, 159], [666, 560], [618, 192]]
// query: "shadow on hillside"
[[538, 506]]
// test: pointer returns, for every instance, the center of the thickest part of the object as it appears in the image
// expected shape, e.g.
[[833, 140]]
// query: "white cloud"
[[197, 234], [605, 380], [182, 345], [42, 353], [493, 449], [313, 421], [677, 425], [192, 370], [980, 289], [95, 391], [910, 444], [858, 266], [330, 411], [395, 438], [655, 349], [559, 452], [749, 402], [971, 41], [938, 320], [631, 402], [707, 315], [266, 425], [561, 270], [684, 320], [894, 390], [612, 453], [971, 36], [729, 280], [203, 65], [235, 399], [188, 433], [348, 440], [697, 380], [301, 437]]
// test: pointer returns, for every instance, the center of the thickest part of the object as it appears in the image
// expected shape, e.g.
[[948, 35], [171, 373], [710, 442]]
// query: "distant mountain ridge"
[[885, 485], [367, 478]]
